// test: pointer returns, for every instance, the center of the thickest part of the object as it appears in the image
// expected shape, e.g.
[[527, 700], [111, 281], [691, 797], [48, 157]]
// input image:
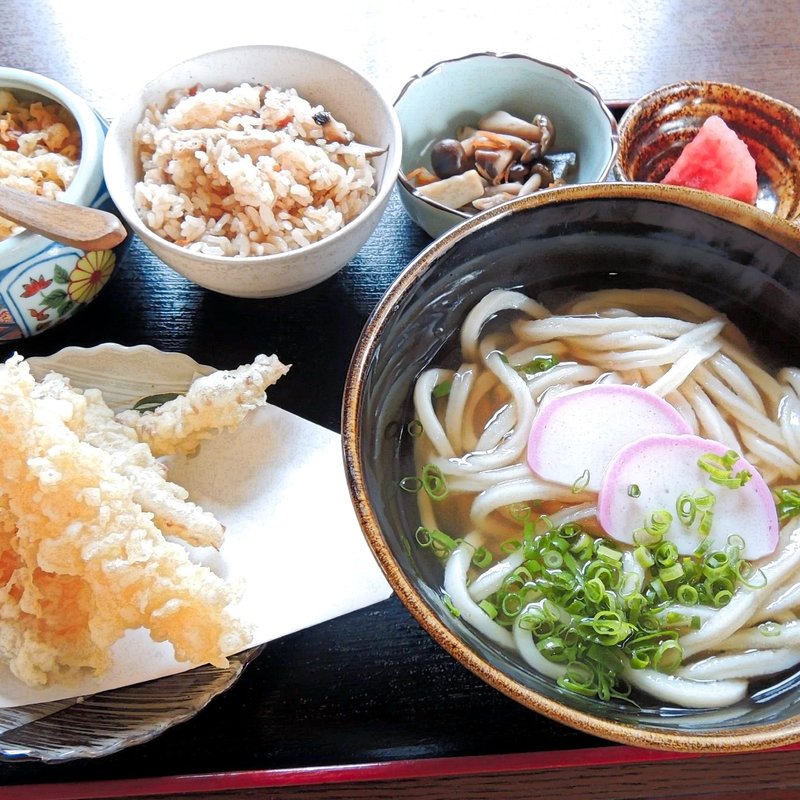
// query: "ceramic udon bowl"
[[742, 261]]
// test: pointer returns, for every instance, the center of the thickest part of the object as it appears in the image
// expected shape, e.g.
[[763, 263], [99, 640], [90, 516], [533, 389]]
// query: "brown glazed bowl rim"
[[751, 738], [646, 100], [650, 105]]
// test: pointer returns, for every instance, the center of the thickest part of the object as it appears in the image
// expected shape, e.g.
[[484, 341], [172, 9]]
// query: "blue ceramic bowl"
[[42, 282], [458, 92]]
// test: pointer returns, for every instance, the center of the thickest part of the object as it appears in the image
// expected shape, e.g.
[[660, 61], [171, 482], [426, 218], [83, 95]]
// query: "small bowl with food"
[[254, 171], [571, 436], [51, 146], [718, 137], [486, 128]]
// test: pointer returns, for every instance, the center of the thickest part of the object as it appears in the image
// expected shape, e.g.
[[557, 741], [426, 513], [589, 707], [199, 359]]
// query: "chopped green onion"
[[687, 595], [658, 524], [686, 508], [552, 559], [482, 557], [581, 482], [634, 490], [489, 608], [415, 428], [594, 590], [438, 541], [722, 597], [657, 585], [671, 573], [644, 557], [512, 604], [434, 482], [745, 572], [609, 554], [769, 629], [520, 512], [787, 503], [668, 656], [570, 562], [720, 469], [450, 605], [640, 659], [411, 484], [537, 364], [442, 389], [706, 520], [666, 554], [586, 612], [704, 499]]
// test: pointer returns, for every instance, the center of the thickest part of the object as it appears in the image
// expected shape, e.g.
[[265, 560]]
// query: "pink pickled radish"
[[580, 430], [662, 467]]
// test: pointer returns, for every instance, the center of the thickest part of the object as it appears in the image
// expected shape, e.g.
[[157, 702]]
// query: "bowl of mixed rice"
[[254, 171], [51, 145]]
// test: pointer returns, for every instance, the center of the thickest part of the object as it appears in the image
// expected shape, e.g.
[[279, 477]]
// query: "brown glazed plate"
[[743, 261], [654, 130]]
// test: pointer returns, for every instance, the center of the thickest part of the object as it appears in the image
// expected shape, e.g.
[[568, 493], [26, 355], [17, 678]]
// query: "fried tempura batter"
[[82, 558], [216, 402], [93, 421]]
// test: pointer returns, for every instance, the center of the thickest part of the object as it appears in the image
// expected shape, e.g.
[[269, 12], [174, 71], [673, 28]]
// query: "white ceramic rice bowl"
[[348, 95]]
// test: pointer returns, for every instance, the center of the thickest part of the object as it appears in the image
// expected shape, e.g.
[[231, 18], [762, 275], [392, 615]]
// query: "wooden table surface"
[[367, 705]]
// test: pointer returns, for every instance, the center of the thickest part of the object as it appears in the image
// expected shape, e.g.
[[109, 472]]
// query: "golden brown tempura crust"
[[214, 403], [93, 421], [81, 560]]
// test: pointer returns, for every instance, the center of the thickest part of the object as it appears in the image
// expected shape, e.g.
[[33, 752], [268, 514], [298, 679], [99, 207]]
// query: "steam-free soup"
[[613, 490]]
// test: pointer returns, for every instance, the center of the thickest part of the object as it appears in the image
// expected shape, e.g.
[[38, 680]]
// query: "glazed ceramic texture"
[[458, 92], [348, 95], [42, 282], [744, 262], [655, 129]]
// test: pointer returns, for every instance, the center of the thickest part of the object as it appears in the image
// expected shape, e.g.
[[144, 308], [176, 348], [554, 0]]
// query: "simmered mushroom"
[[545, 177], [493, 164], [332, 130], [448, 158], [455, 191], [503, 122], [503, 156], [548, 131]]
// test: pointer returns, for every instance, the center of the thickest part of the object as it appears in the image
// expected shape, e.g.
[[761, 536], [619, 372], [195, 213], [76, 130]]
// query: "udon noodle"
[[472, 425]]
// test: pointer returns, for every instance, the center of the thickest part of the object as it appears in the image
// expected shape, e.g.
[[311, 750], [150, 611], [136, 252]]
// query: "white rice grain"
[[246, 172]]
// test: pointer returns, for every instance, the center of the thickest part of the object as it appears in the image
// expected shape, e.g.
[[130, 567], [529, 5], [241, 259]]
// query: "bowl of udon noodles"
[[571, 431]]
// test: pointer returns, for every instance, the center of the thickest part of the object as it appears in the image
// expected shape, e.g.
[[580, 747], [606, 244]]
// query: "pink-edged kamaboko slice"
[[688, 477], [575, 435]]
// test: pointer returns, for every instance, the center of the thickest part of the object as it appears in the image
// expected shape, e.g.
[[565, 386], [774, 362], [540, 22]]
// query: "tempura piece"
[[84, 562], [215, 402], [93, 421]]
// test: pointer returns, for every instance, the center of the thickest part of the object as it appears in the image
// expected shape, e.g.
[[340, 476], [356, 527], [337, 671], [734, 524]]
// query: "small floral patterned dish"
[[42, 282]]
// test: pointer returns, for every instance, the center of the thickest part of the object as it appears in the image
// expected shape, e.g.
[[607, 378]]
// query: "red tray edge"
[[378, 771]]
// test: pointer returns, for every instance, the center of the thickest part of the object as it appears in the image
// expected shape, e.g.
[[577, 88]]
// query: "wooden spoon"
[[77, 226]]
